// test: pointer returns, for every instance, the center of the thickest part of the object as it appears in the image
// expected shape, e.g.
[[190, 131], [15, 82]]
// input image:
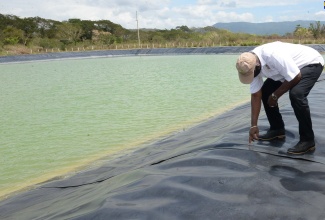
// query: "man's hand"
[[286, 86], [253, 134], [271, 102]]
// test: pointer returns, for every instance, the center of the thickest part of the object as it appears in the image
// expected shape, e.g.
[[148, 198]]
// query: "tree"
[[8, 20], [87, 27], [301, 32], [107, 39], [46, 28], [183, 28], [315, 29], [30, 28], [158, 39], [12, 35], [68, 32]]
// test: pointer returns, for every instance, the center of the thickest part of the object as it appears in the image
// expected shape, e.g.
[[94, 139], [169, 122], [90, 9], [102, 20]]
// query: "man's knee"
[[297, 96]]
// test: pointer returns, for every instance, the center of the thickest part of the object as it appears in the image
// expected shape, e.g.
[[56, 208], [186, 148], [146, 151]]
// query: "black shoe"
[[273, 134], [302, 147]]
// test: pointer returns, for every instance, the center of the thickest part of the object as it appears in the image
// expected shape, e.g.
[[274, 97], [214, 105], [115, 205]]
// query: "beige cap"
[[246, 65]]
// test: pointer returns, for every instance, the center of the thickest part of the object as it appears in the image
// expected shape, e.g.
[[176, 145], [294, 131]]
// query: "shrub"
[[11, 40]]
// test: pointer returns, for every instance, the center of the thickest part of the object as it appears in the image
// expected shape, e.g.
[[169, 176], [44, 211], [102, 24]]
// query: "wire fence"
[[78, 48]]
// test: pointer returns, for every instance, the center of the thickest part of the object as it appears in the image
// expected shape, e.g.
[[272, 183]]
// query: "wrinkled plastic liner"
[[137, 52], [206, 172]]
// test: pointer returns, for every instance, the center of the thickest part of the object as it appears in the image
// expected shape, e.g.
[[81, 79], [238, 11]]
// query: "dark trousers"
[[299, 102]]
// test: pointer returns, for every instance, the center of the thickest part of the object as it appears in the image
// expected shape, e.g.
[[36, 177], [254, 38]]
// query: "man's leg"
[[298, 96], [273, 113]]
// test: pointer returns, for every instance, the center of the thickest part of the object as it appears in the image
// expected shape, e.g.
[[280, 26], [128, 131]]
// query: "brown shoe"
[[302, 147], [273, 134]]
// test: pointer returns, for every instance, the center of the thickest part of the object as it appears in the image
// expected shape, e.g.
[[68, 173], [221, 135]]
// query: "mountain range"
[[267, 28]]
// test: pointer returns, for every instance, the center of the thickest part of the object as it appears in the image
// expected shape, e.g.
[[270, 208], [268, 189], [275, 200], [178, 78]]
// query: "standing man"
[[287, 67]]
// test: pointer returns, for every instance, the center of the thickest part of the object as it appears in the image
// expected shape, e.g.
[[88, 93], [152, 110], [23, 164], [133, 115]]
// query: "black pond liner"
[[130, 52], [136, 52], [206, 172]]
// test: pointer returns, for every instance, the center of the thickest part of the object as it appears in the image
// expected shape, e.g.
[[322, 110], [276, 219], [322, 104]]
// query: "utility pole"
[[136, 15]]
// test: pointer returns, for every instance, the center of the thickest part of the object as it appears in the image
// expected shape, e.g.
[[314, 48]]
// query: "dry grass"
[[15, 50]]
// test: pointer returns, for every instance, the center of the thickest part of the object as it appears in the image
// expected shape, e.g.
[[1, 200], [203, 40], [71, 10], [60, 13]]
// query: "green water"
[[58, 115]]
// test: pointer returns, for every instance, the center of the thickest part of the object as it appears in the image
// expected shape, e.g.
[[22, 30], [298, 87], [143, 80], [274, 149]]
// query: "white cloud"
[[320, 15], [278, 3], [232, 17], [163, 14], [206, 2], [268, 19]]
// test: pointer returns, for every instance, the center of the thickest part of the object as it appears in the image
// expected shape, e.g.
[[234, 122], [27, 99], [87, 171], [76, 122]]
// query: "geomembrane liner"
[[136, 52]]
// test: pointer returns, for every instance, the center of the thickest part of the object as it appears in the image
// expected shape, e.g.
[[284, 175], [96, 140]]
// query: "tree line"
[[39, 34], [315, 30]]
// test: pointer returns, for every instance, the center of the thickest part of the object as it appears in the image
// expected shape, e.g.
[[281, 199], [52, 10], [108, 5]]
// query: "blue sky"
[[167, 14]]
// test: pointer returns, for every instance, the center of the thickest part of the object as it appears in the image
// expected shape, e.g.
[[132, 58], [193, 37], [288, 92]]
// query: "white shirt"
[[283, 61]]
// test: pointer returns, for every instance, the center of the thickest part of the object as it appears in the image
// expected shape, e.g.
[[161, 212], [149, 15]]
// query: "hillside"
[[267, 28]]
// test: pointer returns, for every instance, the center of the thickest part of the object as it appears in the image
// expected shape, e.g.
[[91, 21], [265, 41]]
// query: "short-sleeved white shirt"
[[283, 61]]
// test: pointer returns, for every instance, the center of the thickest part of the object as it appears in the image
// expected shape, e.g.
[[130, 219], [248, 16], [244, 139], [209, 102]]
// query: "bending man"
[[287, 67]]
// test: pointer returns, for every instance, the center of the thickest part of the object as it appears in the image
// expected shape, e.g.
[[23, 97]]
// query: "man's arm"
[[256, 100], [283, 89]]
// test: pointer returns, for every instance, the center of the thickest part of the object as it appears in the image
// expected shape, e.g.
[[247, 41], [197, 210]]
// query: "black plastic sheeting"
[[206, 172], [136, 52]]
